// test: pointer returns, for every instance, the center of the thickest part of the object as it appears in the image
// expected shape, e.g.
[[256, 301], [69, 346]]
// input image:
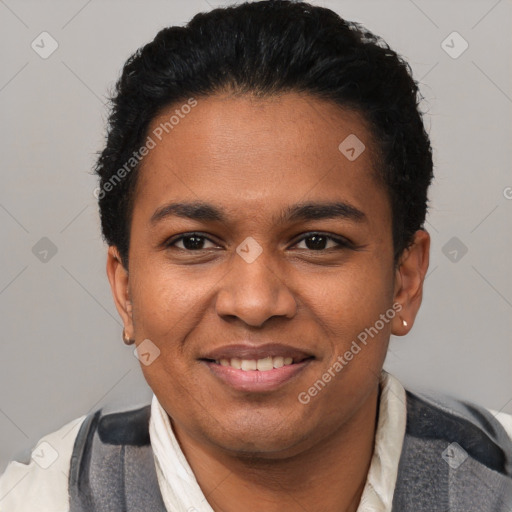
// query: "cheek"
[[352, 298], [167, 307], [166, 302], [347, 308]]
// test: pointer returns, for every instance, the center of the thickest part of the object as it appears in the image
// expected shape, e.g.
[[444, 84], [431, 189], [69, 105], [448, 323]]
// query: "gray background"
[[61, 353]]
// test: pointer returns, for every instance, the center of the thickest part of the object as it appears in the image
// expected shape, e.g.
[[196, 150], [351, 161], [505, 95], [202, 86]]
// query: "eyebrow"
[[201, 211]]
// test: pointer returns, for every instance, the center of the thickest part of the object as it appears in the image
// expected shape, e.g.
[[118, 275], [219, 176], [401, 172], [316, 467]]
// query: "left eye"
[[320, 242]]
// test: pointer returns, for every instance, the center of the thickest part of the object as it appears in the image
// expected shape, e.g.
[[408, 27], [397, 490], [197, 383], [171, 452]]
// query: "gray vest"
[[456, 457]]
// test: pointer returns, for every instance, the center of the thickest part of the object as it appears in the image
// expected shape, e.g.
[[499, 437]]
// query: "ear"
[[119, 285], [409, 277]]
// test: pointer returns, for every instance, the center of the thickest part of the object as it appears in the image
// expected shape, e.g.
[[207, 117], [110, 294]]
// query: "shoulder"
[[41, 483], [117, 427], [113, 463], [454, 453], [100, 436], [484, 435], [505, 420]]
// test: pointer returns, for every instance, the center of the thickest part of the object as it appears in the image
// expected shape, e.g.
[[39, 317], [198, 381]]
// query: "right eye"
[[190, 242]]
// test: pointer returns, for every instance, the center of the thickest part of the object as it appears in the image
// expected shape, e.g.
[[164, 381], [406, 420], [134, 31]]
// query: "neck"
[[328, 476]]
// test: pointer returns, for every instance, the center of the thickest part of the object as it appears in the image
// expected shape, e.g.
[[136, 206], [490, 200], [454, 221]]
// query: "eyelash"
[[342, 243]]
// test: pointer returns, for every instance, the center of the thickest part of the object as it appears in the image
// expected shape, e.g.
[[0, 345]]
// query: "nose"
[[254, 292]]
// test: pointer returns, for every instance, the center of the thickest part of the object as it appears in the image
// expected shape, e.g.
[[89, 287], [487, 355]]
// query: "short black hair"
[[268, 48]]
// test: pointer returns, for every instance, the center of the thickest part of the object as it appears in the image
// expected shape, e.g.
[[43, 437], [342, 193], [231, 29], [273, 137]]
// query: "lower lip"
[[255, 380]]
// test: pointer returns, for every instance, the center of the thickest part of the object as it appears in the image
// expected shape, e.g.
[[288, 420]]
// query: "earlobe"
[[409, 279], [119, 284]]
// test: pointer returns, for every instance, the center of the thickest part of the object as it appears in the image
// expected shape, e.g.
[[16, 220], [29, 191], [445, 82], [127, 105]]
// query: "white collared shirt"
[[34, 487]]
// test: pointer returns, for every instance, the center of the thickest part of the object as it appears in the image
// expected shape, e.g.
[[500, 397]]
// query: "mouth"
[[256, 369]]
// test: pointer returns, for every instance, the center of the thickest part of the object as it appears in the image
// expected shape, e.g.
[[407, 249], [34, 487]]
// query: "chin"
[[262, 439]]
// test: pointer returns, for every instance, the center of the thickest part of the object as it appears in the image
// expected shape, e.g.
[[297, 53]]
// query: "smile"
[[261, 375]]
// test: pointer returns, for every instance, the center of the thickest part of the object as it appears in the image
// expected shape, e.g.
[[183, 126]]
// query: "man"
[[263, 191]]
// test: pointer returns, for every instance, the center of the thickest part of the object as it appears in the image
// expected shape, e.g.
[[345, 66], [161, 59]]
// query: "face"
[[257, 243]]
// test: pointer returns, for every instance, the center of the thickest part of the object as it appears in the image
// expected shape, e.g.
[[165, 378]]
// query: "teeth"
[[249, 364], [236, 363], [262, 365], [278, 361]]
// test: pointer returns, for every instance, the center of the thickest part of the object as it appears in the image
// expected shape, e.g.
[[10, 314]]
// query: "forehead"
[[256, 153]]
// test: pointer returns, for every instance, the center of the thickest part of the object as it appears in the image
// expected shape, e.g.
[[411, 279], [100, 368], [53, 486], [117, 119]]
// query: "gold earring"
[[127, 341]]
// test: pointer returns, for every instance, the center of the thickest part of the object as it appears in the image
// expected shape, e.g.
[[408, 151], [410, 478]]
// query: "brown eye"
[[320, 242], [192, 242]]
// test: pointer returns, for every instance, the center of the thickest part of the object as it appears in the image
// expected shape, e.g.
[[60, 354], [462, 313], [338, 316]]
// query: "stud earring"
[[127, 341], [404, 323]]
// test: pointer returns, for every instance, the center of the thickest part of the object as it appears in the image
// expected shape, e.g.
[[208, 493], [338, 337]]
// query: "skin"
[[251, 158]]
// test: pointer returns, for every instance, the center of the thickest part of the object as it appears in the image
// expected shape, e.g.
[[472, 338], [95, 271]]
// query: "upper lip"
[[249, 351]]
